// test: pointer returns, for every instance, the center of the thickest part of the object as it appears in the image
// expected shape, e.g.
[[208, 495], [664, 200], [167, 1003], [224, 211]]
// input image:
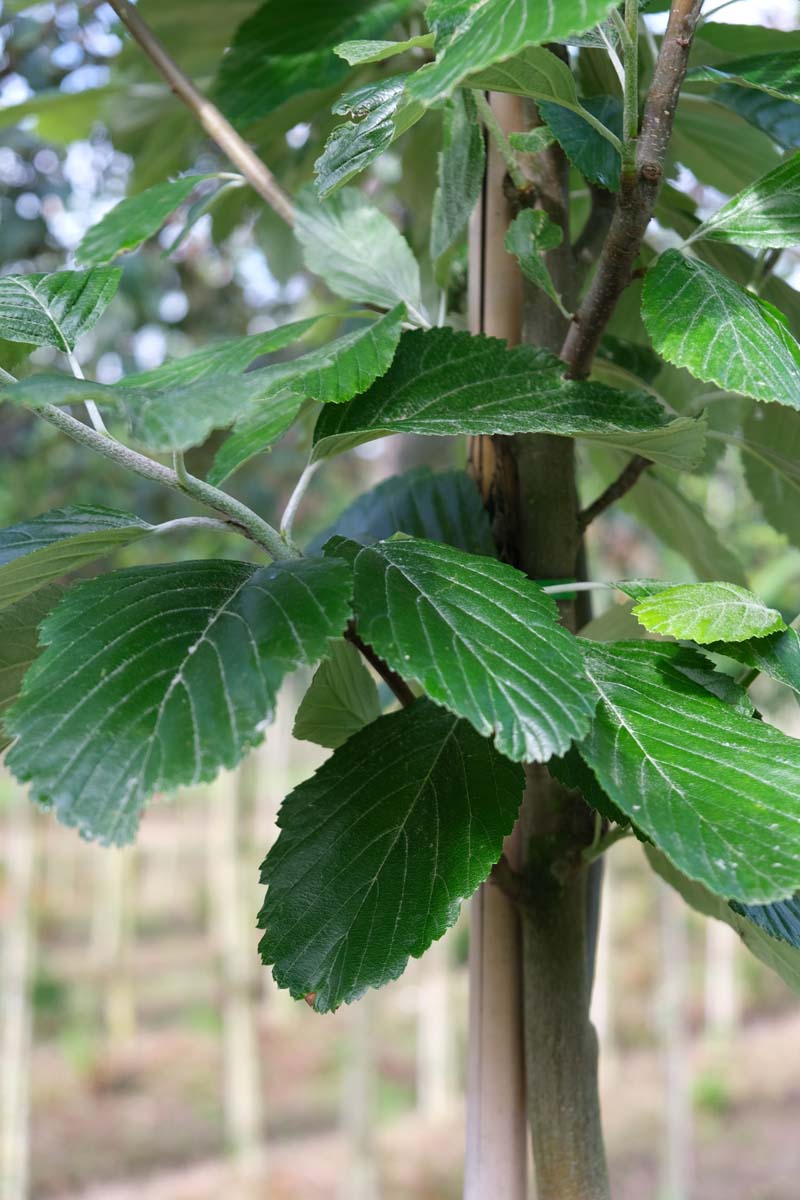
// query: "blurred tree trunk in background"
[[360, 1180], [15, 1004], [112, 920], [674, 988], [435, 1033], [721, 985]]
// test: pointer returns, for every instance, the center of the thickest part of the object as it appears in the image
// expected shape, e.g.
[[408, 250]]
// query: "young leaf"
[[155, 677], [700, 319], [19, 644], [758, 925], [377, 851], [473, 34], [714, 790], [277, 53], [444, 383], [341, 699], [703, 612], [532, 141], [134, 220], [530, 235], [54, 310], [461, 166], [482, 640], [588, 150], [771, 441], [356, 53], [379, 112], [776, 74], [777, 655], [35, 552], [443, 507], [766, 214], [357, 251]]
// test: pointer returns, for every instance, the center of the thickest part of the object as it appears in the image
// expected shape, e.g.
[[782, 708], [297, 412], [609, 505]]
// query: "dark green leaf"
[[776, 74], [779, 119], [589, 152], [480, 638], [35, 552], [255, 433], [341, 699], [155, 677], [19, 644], [714, 790], [777, 655], [134, 220], [54, 310], [379, 848]]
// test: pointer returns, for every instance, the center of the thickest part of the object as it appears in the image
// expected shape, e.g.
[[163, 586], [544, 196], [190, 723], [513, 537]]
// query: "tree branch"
[[638, 192], [218, 127], [398, 685], [615, 491]]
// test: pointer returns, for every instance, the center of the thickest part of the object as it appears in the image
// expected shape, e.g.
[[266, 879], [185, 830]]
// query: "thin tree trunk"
[[358, 1103], [677, 1144], [17, 968]]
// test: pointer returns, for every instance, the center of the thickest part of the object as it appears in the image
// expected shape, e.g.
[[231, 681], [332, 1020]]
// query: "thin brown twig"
[[397, 684], [218, 127], [626, 479]]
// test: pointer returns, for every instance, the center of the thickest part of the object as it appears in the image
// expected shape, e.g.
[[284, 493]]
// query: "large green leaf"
[[714, 790], [19, 644], [54, 310], [330, 374], [779, 119], [35, 552], [776, 74], [701, 320], [481, 638], [777, 655], [529, 236], [444, 383], [767, 213], [702, 137], [702, 612], [379, 112], [474, 34], [134, 220], [443, 507], [377, 851], [771, 445], [769, 931], [277, 53], [357, 251], [342, 698], [155, 677], [588, 150], [461, 166]]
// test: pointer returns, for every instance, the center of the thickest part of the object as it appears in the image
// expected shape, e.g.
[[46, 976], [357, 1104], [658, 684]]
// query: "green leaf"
[[19, 644], [481, 639], [461, 165], [378, 849], [220, 358], [530, 235], [779, 119], [756, 924], [714, 790], [777, 655], [472, 35], [356, 53], [330, 374], [776, 74], [341, 699], [532, 141], [35, 552], [771, 441], [276, 53], [587, 149], [702, 612], [701, 320], [155, 677], [765, 214], [443, 507], [702, 138], [444, 383], [134, 220], [379, 112], [54, 310], [357, 251]]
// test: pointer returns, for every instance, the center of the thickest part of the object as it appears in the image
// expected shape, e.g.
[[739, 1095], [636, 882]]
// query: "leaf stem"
[[630, 110], [296, 499], [626, 479], [599, 847], [397, 684], [521, 183], [583, 585], [92, 410], [219, 129]]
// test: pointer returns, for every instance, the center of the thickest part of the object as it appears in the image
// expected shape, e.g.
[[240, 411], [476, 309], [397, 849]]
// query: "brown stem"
[[218, 128], [638, 192], [398, 685], [615, 491]]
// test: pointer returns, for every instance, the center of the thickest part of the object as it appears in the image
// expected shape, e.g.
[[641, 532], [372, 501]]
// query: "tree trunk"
[[528, 485]]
